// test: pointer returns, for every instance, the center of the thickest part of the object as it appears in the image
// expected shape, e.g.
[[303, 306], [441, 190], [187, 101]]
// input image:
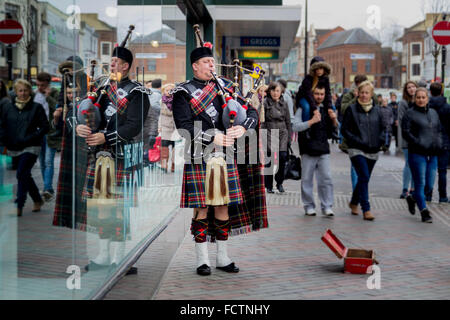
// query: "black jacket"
[[305, 89], [24, 128], [421, 128], [314, 141], [201, 128], [364, 131], [443, 109], [122, 126]]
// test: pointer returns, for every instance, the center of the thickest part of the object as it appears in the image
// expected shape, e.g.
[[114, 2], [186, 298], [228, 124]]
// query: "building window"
[[151, 65], [13, 10], [416, 49], [354, 65], [368, 66], [106, 48], [416, 69]]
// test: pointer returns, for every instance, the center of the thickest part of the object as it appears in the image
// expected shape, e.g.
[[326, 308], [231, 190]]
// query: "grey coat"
[[277, 117]]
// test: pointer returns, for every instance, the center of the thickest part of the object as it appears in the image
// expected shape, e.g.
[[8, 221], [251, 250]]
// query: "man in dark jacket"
[[439, 103], [394, 106], [52, 141], [315, 153]]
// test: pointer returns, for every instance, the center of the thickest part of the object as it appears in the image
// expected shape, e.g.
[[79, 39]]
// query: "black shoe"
[[280, 188], [231, 268], [92, 266], [426, 216], [204, 270], [131, 271], [411, 204], [404, 194], [270, 190]]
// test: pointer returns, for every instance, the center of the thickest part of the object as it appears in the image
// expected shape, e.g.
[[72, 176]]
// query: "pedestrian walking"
[[286, 94], [258, 101], [315, 153], [277, 119], [409, 89], [51, 142], [421, 128], [388, 120], [393, 104], [151, 122], [365, 132], [23, 124], [349, 99], [439, 103], [167, 129]]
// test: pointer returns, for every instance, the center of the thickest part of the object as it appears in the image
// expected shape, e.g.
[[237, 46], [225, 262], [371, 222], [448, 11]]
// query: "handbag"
[[154, 154], [293, 169]]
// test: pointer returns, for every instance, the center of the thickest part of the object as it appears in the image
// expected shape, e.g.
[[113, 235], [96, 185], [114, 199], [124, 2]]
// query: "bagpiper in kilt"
[[197, 112], [123, 104]]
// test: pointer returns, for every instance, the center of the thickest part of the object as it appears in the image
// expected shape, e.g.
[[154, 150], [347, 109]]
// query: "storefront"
[[43, 255]]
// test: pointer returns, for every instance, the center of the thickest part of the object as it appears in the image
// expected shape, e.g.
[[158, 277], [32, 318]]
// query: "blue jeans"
[[363, 167], [25, 182], [354, 177], [47, 161], [407, 178], [423, 169], [306, 109]]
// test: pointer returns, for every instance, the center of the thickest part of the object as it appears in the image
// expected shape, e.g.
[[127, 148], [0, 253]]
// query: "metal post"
[[443, 57], [343, 78], [306, 38]]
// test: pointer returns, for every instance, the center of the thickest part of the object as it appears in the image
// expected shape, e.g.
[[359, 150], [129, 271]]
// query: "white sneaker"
[[310, 212], [328, 212]]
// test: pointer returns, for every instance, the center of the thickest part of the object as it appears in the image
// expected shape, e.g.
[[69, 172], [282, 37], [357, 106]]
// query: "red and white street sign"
[[441, 33], [11, 31]]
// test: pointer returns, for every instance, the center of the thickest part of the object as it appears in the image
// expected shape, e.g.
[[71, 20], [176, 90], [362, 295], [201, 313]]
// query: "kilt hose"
[[65, 202], [247, 209]]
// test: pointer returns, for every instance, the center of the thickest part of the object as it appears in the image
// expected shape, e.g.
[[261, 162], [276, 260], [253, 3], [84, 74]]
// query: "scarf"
[[366, 106], [167, 100], [21, 104]]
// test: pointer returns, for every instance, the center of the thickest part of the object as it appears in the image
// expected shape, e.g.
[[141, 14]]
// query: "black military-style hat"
[[124, 54], [199, 53]]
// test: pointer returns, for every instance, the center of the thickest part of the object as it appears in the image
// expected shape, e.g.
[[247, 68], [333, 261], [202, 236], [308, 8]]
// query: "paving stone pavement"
[[289, 261]]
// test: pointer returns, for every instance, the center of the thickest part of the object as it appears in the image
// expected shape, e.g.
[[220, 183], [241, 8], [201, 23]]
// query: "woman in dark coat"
[[365, 131], [23, 124], [277, 117], [421, 128]]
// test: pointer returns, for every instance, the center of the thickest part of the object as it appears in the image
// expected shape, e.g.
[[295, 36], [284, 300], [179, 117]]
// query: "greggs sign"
[[260, 41]]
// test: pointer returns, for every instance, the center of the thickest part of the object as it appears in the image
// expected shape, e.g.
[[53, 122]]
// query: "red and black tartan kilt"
[[251, 215], [193, 189], [88, 190]]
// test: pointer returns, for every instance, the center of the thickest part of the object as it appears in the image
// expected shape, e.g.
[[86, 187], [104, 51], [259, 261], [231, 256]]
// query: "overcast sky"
[[349, 14], [322, 13]]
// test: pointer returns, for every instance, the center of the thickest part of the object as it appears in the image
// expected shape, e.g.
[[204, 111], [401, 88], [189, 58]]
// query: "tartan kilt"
[[193, 189], [251, 215], [65, 201]]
